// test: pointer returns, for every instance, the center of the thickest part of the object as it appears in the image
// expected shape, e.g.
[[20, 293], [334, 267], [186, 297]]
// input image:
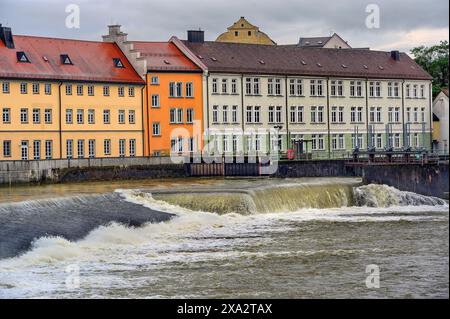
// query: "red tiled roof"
[[156, 53], [293, 60], [92, 61]]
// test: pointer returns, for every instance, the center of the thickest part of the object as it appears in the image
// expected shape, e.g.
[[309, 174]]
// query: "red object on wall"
[[290, 154]]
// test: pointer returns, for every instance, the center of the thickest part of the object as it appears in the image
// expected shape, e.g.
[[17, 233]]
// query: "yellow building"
[[67, 99], [243, 31]]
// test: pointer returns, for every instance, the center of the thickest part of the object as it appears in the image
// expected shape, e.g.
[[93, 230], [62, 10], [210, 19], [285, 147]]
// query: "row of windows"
[[176, 116], [36, 89], [182, 144], [253, 114], [80, 114], [274, 87], [46, 147], [176, 89]]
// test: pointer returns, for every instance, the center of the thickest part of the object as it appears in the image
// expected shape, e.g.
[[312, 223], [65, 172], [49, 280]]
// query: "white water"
[[193, 237]]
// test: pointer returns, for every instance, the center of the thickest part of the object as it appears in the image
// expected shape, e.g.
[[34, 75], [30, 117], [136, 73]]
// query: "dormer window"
[[118, 63], [166, 62], [65, 59], [22, 57]]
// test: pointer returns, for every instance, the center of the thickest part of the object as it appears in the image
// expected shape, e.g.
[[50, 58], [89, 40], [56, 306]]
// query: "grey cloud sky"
[[404, 23]]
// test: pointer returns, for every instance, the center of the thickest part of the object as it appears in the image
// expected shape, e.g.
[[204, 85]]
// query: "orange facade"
[[174, 107]]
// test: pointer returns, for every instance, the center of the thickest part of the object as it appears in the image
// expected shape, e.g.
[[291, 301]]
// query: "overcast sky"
[[403, 23]]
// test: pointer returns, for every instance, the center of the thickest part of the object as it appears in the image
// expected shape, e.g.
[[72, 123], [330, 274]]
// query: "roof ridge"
[[54, 38]]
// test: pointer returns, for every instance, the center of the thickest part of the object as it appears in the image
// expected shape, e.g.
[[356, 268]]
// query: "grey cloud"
[[284, 20]]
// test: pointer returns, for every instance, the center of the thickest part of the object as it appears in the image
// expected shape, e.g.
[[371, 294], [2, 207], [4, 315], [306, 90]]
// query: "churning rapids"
[[262, 238]]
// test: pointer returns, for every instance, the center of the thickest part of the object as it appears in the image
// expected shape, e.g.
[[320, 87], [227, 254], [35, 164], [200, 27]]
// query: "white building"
[[335, 100], [441, 122]]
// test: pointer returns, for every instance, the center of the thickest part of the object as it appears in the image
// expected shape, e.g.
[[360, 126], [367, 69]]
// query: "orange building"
[[173, 100]]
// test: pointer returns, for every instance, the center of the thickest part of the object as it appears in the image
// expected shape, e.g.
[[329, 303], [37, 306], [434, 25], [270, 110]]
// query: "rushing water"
[[295, 238]]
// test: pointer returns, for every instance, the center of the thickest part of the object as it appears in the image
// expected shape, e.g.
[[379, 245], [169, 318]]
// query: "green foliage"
[[434, 60]]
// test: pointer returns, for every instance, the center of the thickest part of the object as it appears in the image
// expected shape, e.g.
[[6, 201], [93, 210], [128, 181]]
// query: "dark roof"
[[313, 41], [164, 56], [292, 60], [92, 61]]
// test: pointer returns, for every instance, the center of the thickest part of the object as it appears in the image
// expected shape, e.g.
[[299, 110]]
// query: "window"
[[249, 113], [121, 91], [214, 86], [408, 90], [355, 88], [118, 63], [234, 114], [215, 114], [80, 148], [248, 86], [415, 91], [224, 86], [225, 114], [422, 91], [316, 87], [79, 90], [408, 115], [22, 57], [90, 90], [131, 91], [36, 150], [156, 129], [257, 114], [132, 144], [296, 114], [189, 89], [191, 144], [23, 116], [172, 117], [337, 88], [397, 115], [154, 80], [295, 87], [131, 117], [5, 87], [375, 89], [91, 116], [121, 117], [48, 116], [393, 89], [68, 89], [317, 114], [378, 114], [416, 140], [91, 148], [6, 148], [337, 142], [155, 100], [69, 118], [23, 88], [106, 117], [379, 140], [318, 142], [35, 88], [47, 88], [107, 147], [357, 141], [372, 114], [256, 86], [234, 86], [270, 87], [48, 149], [24, 150], [422, 112], [80, 116], [390, 114], [65, 59], [277, 86], [121, 148], [189, 116], [69, 149], [416, 115], [105, 90], [356, 114], [337, 114], [271, 114], [313, 114], [36, 116], [397, 140], [278, 114], [179, 89], [6, 115], [179, 115]]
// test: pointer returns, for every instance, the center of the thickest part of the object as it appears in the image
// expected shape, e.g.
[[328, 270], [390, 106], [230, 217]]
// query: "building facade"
[[243, 31], [260, 98], [173, 95], [63, 99]]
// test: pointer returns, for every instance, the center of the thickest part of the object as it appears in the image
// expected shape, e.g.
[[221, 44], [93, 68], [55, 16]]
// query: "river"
[[222, 238]]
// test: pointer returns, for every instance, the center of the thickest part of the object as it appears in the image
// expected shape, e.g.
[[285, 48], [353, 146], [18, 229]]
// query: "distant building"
[[333, 42], [441, 122], [243, 31]]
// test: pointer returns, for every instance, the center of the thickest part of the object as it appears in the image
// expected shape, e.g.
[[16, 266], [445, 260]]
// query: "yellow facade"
[[243, 31], [37, 124]]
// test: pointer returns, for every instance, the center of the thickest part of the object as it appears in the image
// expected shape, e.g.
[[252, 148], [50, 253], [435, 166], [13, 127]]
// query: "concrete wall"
[[12, 172]]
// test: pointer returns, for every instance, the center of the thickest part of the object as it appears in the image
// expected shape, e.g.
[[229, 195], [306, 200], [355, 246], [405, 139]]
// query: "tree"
[[434, 60]]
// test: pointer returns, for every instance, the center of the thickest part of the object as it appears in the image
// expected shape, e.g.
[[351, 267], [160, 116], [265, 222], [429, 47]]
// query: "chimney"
[[197, 36], [6, 37], [395, 55], [115, 34]]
